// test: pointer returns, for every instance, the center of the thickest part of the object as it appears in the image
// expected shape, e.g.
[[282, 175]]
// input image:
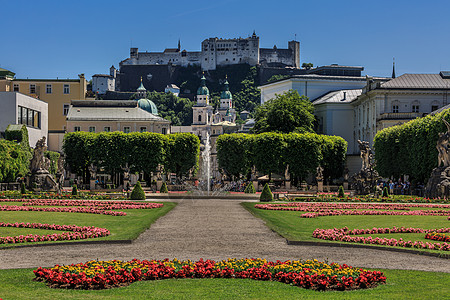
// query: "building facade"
[[102, 83], [56, 92], [20, 109]]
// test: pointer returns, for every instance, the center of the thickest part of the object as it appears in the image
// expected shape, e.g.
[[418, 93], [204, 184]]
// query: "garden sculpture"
[[40, 177], [443, 147], [39, 161], [319, 175], [365, 153]]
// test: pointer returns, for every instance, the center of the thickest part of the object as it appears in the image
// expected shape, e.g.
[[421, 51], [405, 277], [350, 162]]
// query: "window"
[[48, 88], [199, 118], [32, 89], [16, 87], [91, 128], [65, 109], [143, 129], [107, 129], [76, 128], [126, 129], [29, 117], [415, 108], [164, 130], [434, 107], [395, 108], [66, 89]]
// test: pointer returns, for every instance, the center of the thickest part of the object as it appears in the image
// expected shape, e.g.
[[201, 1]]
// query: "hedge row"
[[111, 151], [272, 152], [410, 148]]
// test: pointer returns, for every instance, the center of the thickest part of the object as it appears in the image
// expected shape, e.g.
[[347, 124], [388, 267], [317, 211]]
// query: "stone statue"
[[443, 147], [319, 173], [287, 175], [93, 171], [126, 172], [39, 163], [365, 180], [40, 177], [365, 154], [346, 174], [438, 185]]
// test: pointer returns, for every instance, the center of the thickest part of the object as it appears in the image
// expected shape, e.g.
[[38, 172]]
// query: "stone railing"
[[400, 116]]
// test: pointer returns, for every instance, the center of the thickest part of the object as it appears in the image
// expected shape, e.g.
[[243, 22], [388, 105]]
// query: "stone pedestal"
[[126, 184], [92, 185], [287, 184], [255, 185], [320, 186], [438, 185], [158, 185], [345, 185]]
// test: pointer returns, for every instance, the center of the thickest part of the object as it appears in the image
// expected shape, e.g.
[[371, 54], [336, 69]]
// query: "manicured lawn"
[[290, 225], [121, 227], [18, 284]]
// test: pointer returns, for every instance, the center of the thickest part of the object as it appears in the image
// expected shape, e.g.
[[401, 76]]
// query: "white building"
[[17, 108], [101, 83], [172, 88], [311, 85]]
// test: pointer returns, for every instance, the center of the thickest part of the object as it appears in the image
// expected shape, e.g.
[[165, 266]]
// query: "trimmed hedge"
[[250, 189], [271, 153], [410, 148], [137, 193], [266, 194], [163, 188]]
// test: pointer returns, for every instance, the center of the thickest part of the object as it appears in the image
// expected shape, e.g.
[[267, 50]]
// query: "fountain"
[[206, 164]]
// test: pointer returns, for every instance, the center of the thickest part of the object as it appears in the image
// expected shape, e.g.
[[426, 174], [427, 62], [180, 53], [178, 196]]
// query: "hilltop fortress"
[[221, 52]]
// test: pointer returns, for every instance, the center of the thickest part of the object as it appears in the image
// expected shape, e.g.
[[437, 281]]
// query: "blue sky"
[[49, 39]]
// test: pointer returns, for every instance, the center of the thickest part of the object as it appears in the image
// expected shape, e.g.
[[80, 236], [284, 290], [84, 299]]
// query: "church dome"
[[203, 90], [148, 105], [226, 94]]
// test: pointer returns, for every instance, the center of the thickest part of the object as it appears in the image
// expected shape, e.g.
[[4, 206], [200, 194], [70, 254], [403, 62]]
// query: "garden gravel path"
[[215, 229]]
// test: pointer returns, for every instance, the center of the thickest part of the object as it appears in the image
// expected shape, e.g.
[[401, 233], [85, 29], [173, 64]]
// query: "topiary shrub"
[[137, 193], [385, 192], [163, 188], [74, 190], [22, 188], [341, 192], [266, 194], [249, 189]]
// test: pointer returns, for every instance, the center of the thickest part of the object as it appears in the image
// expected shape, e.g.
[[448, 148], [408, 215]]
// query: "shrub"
[[341, 192], [266, 194], [385, 192], [249, 189], [22, 188], [74, 190], [138, 192], [164, 189]]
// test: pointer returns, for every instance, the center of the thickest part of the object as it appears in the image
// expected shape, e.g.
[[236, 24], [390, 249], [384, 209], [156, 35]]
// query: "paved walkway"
[[215, 229]]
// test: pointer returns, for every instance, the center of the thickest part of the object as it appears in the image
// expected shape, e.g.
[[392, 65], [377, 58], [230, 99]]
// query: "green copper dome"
[[148, 105], [226, 94], [203, 90]]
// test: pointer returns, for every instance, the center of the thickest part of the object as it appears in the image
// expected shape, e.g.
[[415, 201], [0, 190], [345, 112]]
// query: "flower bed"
[[53, 195], [345, 235], [314, 210], [76, 233], [87, 206], [310, 274], [332, 197], [438, 236]]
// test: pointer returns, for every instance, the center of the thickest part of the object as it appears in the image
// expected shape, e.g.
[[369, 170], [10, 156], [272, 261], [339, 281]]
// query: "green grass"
[[121, 227], [290, 225], [18, 284]]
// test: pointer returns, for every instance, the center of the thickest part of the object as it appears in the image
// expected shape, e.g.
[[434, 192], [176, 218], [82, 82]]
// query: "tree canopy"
[[286, 113]]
